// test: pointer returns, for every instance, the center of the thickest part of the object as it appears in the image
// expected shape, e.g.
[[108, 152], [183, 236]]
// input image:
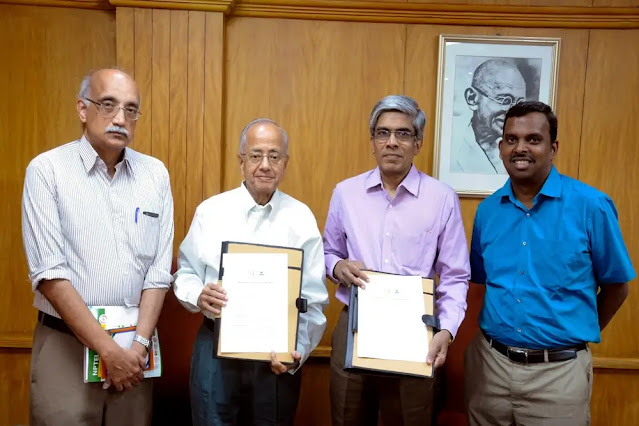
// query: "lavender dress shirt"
[[419, 232]]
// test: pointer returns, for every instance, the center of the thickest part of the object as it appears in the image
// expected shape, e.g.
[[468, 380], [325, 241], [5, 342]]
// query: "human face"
[[263, 178], [526, 149], [119, 88], [488, 120], [395, 158]]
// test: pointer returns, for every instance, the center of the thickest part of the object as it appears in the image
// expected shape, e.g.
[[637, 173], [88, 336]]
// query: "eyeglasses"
[[504, 100], [255, 158], [383, 135], [110, 109]]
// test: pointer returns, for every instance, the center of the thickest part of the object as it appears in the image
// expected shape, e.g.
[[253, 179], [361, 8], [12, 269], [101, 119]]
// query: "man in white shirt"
[[97, 226], [227, 391]]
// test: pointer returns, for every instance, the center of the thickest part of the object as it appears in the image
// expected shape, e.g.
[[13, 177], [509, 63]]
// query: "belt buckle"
[[517, 351]]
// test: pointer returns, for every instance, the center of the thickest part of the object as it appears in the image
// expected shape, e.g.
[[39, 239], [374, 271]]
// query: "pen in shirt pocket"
[[137, 210]]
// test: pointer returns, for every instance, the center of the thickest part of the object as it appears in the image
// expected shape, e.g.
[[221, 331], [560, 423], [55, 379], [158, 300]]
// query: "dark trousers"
[[237, 392], [358, 399]]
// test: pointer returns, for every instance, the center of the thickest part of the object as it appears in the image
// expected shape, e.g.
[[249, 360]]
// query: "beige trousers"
[[501, 392], [59, 395]]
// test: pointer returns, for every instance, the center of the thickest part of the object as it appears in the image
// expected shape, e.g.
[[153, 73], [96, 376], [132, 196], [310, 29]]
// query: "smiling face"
[[109, 135], [395, 158], [526, 149], [262, 178]]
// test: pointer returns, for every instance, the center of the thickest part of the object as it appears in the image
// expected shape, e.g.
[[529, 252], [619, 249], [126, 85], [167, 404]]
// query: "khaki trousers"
[[356, 399], [502, 392], [60, 397]]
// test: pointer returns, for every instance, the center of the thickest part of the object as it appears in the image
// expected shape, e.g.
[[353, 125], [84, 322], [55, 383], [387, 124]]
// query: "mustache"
[[521, 157], [117, 129]]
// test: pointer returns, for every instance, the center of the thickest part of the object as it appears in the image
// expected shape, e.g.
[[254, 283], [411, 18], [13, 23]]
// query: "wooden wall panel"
[[143, 73], [14, 386], [577, 3], [37, 113], [44, 61], [616, 3], [609, 158], [160, 106], [319, 80]]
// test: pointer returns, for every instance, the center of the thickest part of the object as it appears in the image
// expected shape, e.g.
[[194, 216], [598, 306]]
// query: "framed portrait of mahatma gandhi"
[[480, 78]]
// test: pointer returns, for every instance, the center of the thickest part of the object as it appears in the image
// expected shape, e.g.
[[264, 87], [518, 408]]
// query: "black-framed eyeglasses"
[[383, 135], [256, 158], [504, 100], [110, 109]]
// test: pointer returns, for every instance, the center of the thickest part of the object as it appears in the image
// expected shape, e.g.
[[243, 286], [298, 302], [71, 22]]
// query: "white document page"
[[255, 318], [389, 324]]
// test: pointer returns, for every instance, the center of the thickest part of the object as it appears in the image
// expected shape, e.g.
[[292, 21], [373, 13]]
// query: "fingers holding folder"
[[212, 298]]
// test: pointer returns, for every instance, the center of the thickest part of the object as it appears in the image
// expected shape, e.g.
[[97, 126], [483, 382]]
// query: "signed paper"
[[255, 318], [389, 324]]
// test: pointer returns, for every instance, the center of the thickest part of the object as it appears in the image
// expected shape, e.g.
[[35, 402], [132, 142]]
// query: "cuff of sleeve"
[[451, 326], [55, 273], [331, 261], [156, 278]]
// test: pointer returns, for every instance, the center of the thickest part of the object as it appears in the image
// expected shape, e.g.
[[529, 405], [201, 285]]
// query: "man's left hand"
[[439, 348], [279, 368]]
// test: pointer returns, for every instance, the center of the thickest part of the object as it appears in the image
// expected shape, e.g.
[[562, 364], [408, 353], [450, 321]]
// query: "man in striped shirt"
[[97, 224]]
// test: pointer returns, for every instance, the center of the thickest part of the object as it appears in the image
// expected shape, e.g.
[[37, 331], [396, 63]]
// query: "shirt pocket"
[[563, 266], [147, 233], [410, 248]]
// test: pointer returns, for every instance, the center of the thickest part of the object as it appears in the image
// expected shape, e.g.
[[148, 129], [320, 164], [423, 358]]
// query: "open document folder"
[[263, 285], [387, 325]]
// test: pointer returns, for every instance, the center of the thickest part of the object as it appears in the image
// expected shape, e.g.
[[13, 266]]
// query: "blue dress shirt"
[[542, 265]]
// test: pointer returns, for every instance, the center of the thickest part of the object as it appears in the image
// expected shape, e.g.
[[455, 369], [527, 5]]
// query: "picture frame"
[[479, 78]]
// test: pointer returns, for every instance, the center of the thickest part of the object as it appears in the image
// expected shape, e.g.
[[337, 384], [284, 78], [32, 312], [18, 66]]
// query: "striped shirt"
[[110, 237]]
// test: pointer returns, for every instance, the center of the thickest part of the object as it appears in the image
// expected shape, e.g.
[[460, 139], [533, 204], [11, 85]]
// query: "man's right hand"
[[212, 298], [349, 272], [124, 368]]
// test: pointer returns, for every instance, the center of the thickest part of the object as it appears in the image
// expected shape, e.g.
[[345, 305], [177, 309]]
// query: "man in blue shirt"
[[543, 245]]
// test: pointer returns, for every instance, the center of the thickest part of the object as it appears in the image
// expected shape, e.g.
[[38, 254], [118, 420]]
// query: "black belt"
[[533, 356], [54, 323]]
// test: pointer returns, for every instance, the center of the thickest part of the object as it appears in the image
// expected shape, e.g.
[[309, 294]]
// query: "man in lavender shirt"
[[394, 219]]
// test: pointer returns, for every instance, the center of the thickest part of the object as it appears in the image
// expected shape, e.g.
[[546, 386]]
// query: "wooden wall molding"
[[9, 340], [458, 14], [76, 4], [223, 6]]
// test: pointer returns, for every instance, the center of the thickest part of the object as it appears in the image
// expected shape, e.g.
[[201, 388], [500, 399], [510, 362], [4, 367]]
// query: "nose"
[[119, 118], [392, 140], [265, 164], [521, 146]]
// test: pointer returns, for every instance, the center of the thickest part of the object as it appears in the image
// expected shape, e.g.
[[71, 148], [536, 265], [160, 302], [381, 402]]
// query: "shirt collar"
[[551, 187], [90, 157], [247, 203], [410, 182]]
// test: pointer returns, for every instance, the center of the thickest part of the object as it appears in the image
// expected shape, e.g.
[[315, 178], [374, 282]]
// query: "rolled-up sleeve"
[[312, 323], [452, 267], [41, 231], [189, 278], [159, 273]]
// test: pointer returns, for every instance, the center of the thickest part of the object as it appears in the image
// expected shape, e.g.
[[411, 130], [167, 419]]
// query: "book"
[[120, 322]]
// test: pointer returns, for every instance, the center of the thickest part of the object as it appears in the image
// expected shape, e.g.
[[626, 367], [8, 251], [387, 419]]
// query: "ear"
[[472, 98], [372, 146], [418, 146], [82, 110], [554, 148]]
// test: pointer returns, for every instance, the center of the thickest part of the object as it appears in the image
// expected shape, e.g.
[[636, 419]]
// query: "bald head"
[[262, 123], [498, 75], [93, 82]]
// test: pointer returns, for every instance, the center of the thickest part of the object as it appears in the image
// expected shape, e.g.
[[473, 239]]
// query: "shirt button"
[[385, 260], [527, 214], [388, 234], [521, 272], [390, 206], [519, 330], [518, 300], [524, 243]]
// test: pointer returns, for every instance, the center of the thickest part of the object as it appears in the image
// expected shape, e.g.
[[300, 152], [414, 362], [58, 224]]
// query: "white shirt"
[[234, 216], [111, 238]]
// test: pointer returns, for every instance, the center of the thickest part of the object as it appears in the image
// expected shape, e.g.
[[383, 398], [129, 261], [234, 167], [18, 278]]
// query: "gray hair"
[[86, 83], [403, 104], [260, 121]]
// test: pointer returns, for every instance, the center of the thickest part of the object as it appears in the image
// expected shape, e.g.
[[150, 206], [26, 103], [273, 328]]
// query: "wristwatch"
[[143, 341]]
